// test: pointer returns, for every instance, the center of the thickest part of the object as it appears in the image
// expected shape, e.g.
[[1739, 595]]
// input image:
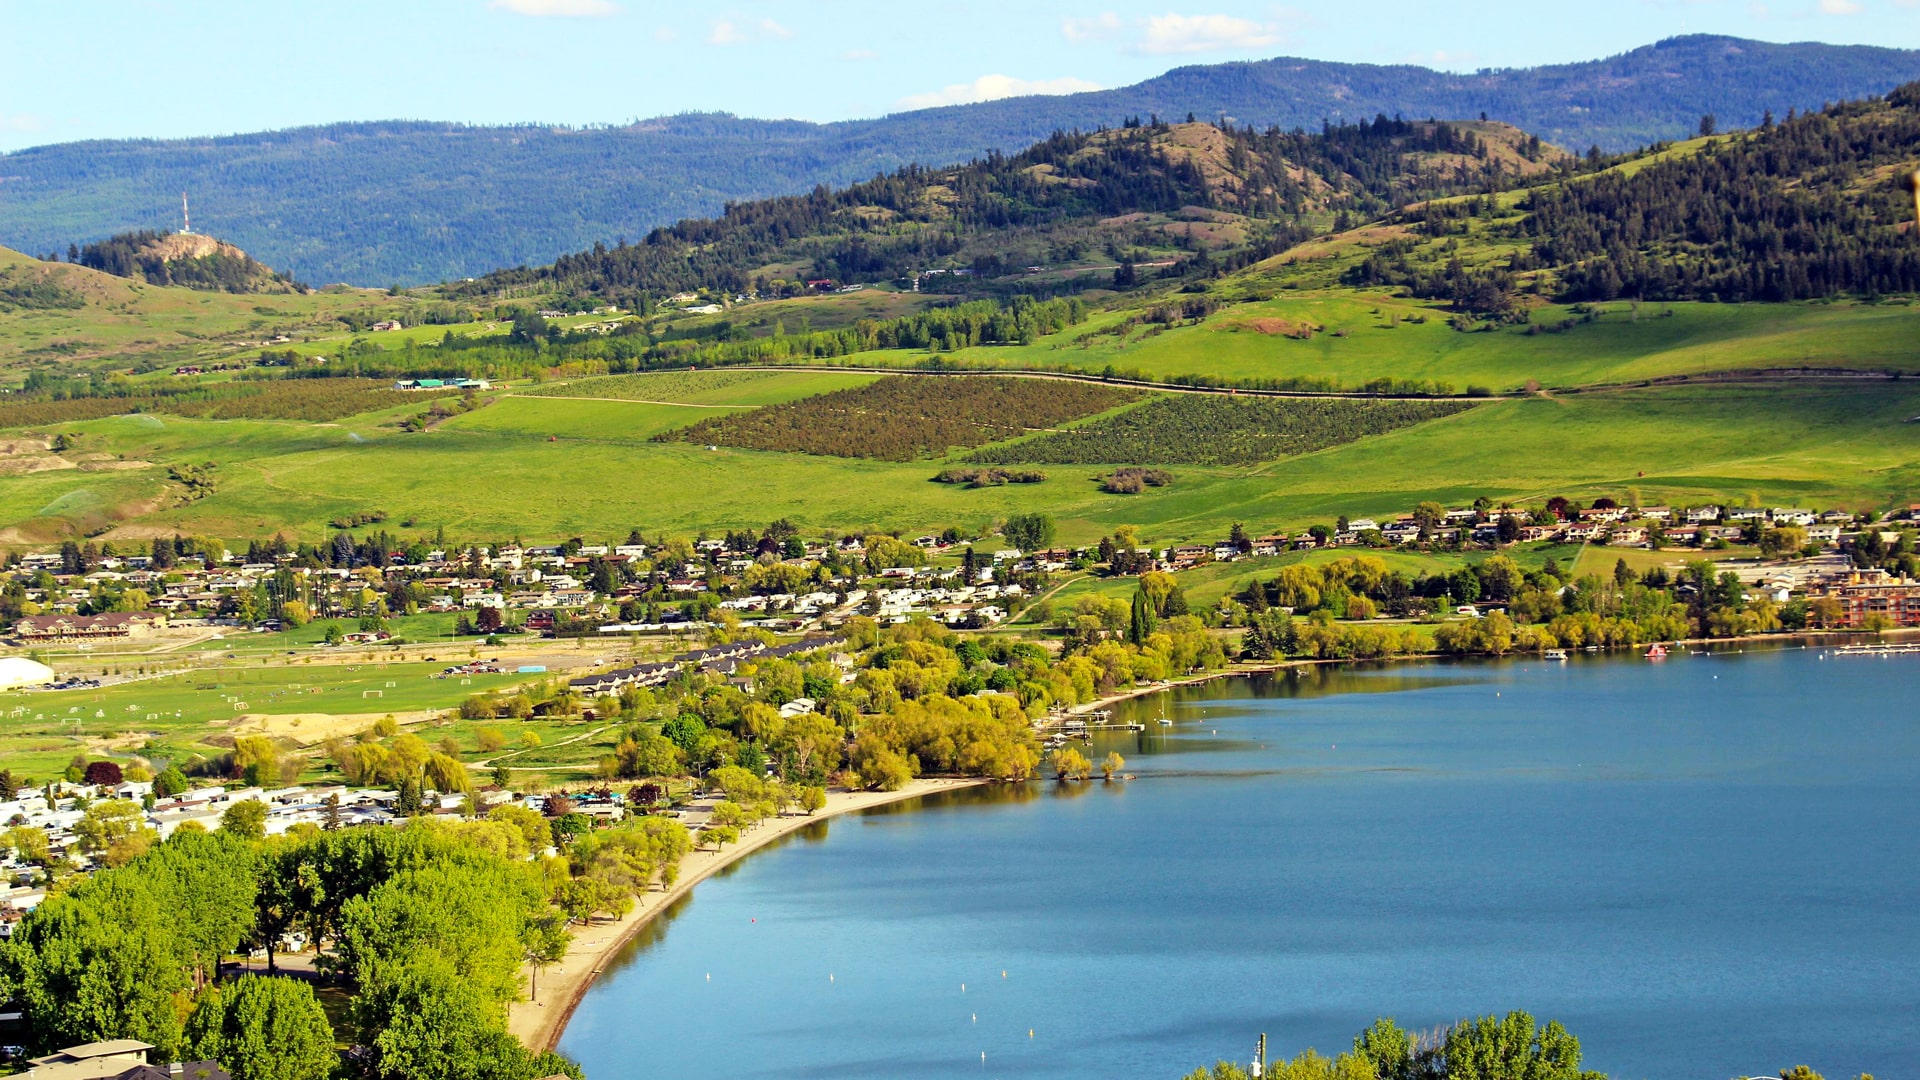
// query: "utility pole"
[[186, 219], [1260, 1057], [1913, 185]]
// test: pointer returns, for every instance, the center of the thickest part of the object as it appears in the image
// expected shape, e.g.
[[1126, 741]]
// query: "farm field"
[[713, 386], [901, 418], [1367, 335], [579, 468]]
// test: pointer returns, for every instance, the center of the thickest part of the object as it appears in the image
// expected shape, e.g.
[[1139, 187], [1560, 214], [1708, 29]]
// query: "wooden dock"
[[1903, 649]]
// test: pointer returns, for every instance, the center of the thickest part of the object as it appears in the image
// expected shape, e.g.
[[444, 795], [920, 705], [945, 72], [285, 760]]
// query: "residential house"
[[1862, 595], [113, 624]]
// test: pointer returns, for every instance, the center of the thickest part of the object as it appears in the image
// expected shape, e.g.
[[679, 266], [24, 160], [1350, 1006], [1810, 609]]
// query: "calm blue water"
[[1706, 867]]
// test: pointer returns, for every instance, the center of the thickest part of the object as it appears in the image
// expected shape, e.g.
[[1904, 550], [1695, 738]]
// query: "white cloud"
[[992, 88], [558, 9], [853, 56], [1840, 7], [664, 34], [1104, 25], [19, 122], [1446, 59], [733, 32], [1169, 35]]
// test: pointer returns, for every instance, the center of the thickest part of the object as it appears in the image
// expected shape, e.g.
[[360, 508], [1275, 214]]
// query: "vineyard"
[[314, 400], [902, 417], [1210, 429]]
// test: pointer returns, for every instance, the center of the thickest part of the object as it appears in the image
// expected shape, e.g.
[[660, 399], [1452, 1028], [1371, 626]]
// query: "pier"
[[1903, 649]]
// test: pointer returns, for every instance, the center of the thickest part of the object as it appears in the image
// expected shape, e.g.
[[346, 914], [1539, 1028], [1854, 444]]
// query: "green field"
[[714, 387], [195, 713], [1206, 584], [1362, 340], [575, 456], [553, 467]]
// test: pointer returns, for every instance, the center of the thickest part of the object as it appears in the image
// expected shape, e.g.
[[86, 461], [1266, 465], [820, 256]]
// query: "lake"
[[1705, 867]]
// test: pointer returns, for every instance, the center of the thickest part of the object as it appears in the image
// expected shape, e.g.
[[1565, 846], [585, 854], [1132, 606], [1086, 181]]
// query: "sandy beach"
[[539, 1022]]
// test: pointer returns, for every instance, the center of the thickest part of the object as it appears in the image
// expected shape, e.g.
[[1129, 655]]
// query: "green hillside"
[[368, 203], [1442, 276]]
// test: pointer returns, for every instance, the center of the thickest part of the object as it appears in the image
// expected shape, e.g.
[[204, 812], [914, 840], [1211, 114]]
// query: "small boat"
[[1658, 652], [1164, 722], [1556, 654]]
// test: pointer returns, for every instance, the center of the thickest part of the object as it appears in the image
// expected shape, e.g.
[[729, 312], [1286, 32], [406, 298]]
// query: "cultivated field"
[[556, 467]]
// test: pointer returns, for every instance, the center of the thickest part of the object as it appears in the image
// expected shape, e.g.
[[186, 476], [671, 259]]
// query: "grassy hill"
[[558, 466], [70, 321], [1461, 274], [366, 203]]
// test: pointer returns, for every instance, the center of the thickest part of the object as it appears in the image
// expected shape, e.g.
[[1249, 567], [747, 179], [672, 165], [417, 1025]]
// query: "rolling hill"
[[375, 203], [1161, 194]]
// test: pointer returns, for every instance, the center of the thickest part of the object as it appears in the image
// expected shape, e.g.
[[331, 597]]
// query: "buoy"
[[976, 1018], [963, 988], [709, 976], [829, 976], [1029, 1033], [1003, 973]]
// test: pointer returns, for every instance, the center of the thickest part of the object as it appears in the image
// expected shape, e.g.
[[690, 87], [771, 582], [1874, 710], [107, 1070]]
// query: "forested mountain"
[[414, 202], [1817, 205], [1152, 192]]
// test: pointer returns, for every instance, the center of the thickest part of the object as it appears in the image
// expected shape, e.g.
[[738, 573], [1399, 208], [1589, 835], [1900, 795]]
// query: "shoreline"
[[539, 1023], [1807, 638]]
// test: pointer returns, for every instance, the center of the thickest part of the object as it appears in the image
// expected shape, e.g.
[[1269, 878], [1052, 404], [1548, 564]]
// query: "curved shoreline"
[[540, 1023]]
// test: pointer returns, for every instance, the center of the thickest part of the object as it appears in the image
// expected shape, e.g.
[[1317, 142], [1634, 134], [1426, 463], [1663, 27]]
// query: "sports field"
[[296, 700]]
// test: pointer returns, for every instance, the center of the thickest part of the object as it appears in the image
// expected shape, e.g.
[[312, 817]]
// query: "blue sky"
[[76, 69]]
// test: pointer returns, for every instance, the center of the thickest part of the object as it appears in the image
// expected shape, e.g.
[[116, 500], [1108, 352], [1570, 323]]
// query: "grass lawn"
[[305, 699]]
